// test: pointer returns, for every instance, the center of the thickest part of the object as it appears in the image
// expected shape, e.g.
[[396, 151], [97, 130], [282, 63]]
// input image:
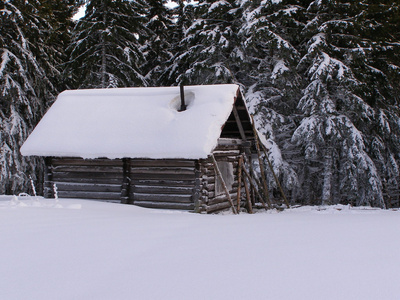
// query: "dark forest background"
[[322, 79]]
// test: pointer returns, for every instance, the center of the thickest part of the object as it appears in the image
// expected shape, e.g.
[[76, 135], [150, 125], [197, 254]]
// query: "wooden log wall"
[[169, 184], [84, 178], [209, 201]]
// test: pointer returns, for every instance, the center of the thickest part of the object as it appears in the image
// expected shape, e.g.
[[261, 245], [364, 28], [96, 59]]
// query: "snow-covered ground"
[[80, 249]]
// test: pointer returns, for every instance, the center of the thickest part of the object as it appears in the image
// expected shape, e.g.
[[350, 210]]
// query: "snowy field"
[[77, 249]]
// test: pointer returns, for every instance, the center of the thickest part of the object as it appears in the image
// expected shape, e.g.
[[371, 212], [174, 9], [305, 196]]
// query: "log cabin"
[[163, 147]]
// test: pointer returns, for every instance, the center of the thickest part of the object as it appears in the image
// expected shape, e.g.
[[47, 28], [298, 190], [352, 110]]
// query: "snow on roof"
[[133, 122]]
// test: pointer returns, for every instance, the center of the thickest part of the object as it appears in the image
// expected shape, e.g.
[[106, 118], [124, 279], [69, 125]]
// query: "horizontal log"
[[248, 132], [208, 179], [166, 171], [166, 183], [203, 199], [148, 189], [89, 187], [165, 205], [89, 180], [210, 176], [162, 198], [171, 177], [229, 142], [92, 175], [86, 162], [229, 152], [207, 164], [89, 195], [205, 170], [218, 207], [222, 198], [231, 159], [211, 187], [162, 163], [48, 192], [208, 194], [88, 169], [208, 172], [208, 187], [228, 149]]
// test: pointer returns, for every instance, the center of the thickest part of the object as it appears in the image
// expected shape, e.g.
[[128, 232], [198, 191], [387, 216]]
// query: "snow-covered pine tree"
[[379, 71], [269, 35], [59, 14], [24, 89], [209, 46], [106, 45], [335, 132], [183, 16], [157, 47]]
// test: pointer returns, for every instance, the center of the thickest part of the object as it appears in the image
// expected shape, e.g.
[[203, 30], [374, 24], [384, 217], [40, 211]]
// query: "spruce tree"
[[335, 133], [270, 36], [24, 89], [59, 15], [106, 45], [380, 73], [210, 45], [183, 14], [157, 47]]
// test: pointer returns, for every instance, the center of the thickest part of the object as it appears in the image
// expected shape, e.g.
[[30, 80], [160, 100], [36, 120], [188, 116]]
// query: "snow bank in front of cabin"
[[133, 122], [94, 250]]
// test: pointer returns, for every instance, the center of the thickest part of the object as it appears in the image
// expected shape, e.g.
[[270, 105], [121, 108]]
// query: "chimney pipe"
[[183, 105]]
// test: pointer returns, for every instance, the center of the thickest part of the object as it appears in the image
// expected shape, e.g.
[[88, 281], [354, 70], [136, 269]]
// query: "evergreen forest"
[[321, 77]]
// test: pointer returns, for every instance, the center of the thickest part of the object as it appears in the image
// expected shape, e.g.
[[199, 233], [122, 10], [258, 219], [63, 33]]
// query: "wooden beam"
[[90, 195], [239, 181], [254, 187], [87, 168], [164, 190], [48, 191], [276, 178], [218, 171], [246, 188], [162, 163], [162, 198], [196, 191], [239, 123], [165, 205], [87, 187], [126, 183], [229, 142], [86, 162], [162, 171], [163, 182]]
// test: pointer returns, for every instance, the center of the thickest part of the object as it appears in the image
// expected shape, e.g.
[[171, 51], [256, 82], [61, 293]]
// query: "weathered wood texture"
[[144, 182], [85, 178], [163, 183], [231, 128], [210, 201], [168, 183]]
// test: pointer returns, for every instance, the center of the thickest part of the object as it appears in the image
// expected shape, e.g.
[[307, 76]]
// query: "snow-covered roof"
[[133, 122]]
